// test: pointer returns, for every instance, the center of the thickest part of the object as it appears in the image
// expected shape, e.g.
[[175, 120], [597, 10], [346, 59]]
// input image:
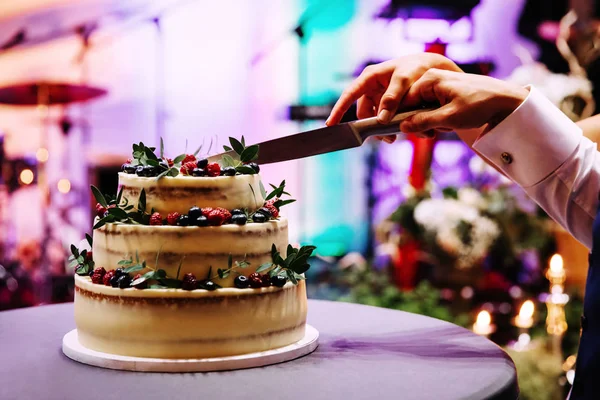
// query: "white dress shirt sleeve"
[[545, 153]]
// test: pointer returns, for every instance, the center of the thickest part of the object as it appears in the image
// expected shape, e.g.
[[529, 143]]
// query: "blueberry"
[[208, 285], [201, 221], [129, 169], [149, 171], [237, 211], [114, 281], [163, 165], [140, 170], [259, 217], [194, 213], [91, 272], [278, 281], [198, 172], [202, 163], [265, 211], [183, 220], [241, 282], [239, 219], [228, 171], [124, 281], [255, 167], [119, 272]]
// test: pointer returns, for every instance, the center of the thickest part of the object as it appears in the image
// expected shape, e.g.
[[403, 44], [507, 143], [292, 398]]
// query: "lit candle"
[[483, 324], [525, 318], [556, 270]]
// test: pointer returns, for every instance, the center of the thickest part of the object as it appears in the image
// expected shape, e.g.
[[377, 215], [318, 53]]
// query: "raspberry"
[[108, 276], [189, 282], [100, 210], [189, 158], [89, 256], [255, 280], [129, 160], [142, 285], [156, 219], [206, 210], [172, 218], [100, 271], [169, 161], [97, 278], [187, 168], [213, 169], [218, 216], [274, 211]]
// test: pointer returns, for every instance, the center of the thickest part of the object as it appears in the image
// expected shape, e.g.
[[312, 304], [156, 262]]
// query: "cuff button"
[[506, 158]]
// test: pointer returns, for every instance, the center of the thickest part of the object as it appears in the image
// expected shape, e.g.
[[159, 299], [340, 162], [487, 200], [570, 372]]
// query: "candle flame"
[[484, 318], [556, 263], [527, 310]]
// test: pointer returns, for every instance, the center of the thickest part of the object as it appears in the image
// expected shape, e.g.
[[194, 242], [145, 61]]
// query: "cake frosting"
[[192, 263]]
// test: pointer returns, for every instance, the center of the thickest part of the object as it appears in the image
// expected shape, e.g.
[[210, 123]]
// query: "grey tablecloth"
[[364, 353]]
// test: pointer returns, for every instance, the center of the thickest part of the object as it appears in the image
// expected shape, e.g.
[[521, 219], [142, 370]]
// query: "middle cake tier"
[[197, 249]]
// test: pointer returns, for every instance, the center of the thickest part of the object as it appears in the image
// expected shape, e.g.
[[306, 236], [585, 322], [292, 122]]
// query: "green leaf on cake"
[[264, 267], [178, 159], [263, 192], [222, 273], [243, 141], [228, 161], [118, 213], [133, 268], [119, 196], [245, 170], [156, 286], [171, 283], [249, 154], [99, 196], [236, 145], [179, 267], [280, 203], [74, 251], [153, 163], [142, 201], [227, 148]]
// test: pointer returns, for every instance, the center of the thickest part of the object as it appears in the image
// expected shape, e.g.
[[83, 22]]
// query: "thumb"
[[428, 120]]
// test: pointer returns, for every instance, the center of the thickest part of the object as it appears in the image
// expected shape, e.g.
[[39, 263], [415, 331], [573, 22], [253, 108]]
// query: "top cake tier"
[[180, 193]]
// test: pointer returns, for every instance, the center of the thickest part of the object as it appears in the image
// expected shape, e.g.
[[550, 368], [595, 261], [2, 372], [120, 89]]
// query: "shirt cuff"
[[532, 142]]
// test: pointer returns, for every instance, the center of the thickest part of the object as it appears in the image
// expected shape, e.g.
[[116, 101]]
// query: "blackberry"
[[198, 172], [228, 171], [202, 163], [278, 281], [194, 213], [241, 282], [255, 167], [183, 220], [119, 272], [201, 221], [124, 281], [259, 217], [239, 219], [237, 211]]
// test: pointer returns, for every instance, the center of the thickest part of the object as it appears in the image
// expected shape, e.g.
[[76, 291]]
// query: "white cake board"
[[75, 351]]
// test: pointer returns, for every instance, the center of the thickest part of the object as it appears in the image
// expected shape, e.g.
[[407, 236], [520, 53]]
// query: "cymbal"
[[28, 94]]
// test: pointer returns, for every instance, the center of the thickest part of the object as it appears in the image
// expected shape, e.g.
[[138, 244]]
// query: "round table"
[[364, 353]]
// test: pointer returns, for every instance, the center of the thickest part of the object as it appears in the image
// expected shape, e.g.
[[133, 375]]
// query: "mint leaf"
[[237, 146], [99, 196]]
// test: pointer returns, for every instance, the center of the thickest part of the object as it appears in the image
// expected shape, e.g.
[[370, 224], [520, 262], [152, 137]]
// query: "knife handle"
[[368, 127]]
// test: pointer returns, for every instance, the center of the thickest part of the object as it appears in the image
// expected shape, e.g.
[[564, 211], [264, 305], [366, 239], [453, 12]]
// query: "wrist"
[[508, 101]]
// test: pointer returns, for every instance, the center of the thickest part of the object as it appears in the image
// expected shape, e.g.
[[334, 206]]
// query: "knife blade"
[[323, 140]]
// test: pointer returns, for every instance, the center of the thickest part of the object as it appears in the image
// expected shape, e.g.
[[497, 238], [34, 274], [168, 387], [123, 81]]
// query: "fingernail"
[[389, 139], [384, 116], [327, 121]]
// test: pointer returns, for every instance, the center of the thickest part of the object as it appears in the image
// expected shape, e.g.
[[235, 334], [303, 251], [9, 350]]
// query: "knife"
[[324, 140]]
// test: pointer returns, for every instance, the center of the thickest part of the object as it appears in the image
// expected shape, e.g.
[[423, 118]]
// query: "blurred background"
[[420, 225]]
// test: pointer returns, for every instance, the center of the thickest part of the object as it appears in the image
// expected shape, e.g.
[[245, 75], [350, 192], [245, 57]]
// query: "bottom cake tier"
[[175, 323]]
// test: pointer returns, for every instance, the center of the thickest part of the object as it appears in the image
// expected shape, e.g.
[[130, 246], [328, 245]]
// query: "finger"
[[358, 88], [365, 107], [429, 120], [427, 89], [390, 100]]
